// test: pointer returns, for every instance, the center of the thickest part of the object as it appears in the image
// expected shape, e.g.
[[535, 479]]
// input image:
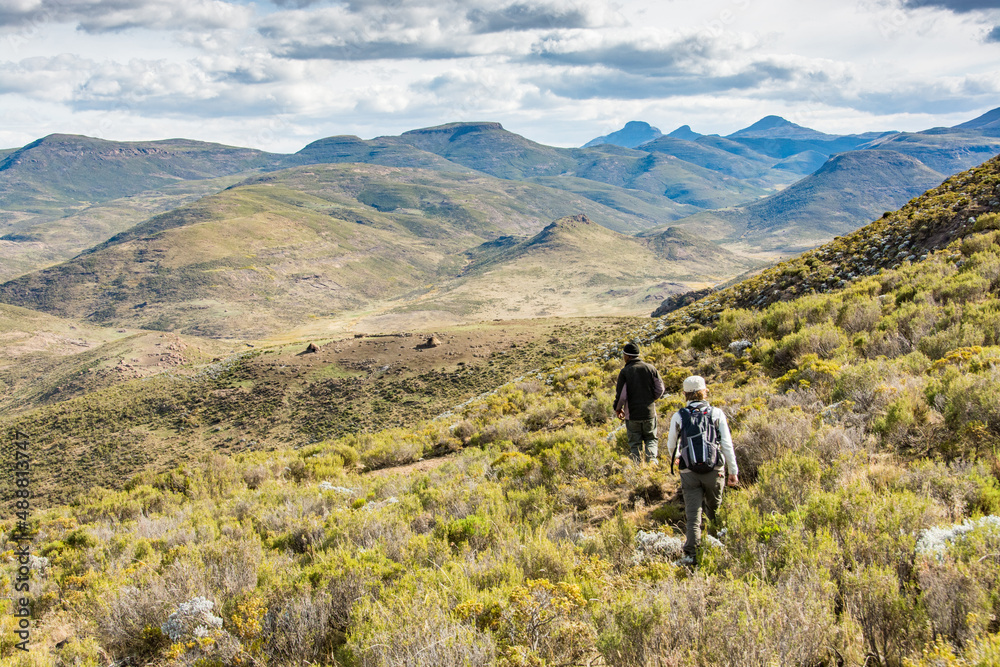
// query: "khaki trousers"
[[701, 491]]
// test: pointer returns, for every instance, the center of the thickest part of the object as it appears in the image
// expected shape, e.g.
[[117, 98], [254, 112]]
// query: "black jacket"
[[644, 387]]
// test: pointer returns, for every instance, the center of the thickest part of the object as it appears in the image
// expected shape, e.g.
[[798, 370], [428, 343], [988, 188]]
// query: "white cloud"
[[44, 79], [560, 68], [100, 16]]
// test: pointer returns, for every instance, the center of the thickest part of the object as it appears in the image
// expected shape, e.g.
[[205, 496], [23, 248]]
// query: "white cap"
[[694, 383]]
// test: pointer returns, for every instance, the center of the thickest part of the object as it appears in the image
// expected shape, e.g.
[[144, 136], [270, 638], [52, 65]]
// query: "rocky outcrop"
[[677, 301]]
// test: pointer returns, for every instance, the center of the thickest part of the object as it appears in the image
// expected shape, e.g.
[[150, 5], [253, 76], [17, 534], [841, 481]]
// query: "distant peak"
[[572, 228], [684, 132], [577, 220], [634, 125], [774, 127], [634, 133], [455, 127], [771, 122], [59, 139]]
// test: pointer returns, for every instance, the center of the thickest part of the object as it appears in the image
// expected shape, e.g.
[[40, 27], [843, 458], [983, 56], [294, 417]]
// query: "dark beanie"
[[631, 349]]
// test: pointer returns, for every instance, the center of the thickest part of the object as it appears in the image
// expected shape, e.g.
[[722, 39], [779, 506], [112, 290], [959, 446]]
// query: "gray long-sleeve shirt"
[[725, 437]]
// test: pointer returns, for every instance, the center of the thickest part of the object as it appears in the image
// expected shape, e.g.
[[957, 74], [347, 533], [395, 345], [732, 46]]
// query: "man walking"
[[639, 385], [700, 443]]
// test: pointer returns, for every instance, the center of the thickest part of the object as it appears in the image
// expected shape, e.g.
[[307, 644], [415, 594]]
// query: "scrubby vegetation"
[[866, 423], [264, 399]]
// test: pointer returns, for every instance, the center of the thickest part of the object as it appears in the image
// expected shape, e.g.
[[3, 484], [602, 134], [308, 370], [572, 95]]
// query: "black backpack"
[[699, 439]]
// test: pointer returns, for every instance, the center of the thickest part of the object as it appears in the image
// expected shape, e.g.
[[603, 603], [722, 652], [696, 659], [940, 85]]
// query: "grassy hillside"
[[41, 241], [849, 189], [489, 148], [102, 409], [575, 267], [782, 147], [642, 204], [45, 359], [317, 241], [659, 174], [64, 193], [866, 530]]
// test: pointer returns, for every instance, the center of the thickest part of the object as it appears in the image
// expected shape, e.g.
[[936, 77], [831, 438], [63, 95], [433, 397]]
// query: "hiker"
[[639, 385], [700, 442]]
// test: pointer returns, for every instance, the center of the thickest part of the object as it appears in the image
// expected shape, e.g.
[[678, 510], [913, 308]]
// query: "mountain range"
[[189, 236]]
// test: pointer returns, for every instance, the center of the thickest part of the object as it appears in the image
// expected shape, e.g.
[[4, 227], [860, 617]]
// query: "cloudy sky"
[[277, 74]]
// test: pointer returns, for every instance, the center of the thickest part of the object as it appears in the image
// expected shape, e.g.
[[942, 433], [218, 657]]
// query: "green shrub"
[[348, 454], [414, 627], [957, 603], [968, 398], [891, 618], [977, 242], [821, 340], [473, 529], [857, 316], [597, 410], [507, 429], [987, 221], [547, 413], [393, 448], [786, 484], [760, 436]]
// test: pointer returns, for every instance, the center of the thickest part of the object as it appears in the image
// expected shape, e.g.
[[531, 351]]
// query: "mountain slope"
[[664, 175], [943, 150], [988, 121], [40, 241], [45, 185], [644, 205], [63, 170], [575, 267], [776, 127], [849, 189], [388, 151], [284, 247], [684, 132], [710, 157], [487, 147], [615, 172], [963, 205], [46, 359]]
